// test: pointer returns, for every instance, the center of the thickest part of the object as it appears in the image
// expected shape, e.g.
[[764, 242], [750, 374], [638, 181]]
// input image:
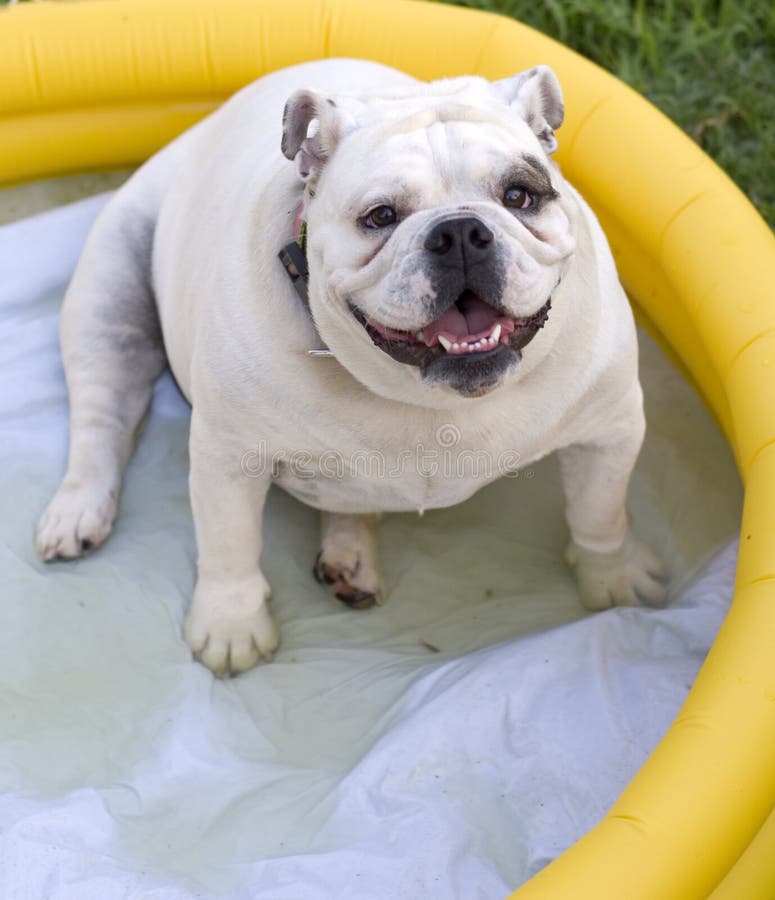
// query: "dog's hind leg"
[[113, 353]]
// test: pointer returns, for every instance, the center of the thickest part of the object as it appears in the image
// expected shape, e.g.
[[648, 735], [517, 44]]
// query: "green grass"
[[708, 64]]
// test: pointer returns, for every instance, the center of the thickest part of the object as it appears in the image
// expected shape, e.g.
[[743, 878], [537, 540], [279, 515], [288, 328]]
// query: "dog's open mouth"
[[470, 329]]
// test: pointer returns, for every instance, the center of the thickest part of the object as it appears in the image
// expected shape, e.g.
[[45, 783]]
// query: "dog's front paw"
[[350, 574], [78, 519], [629, 576], [229, 627]]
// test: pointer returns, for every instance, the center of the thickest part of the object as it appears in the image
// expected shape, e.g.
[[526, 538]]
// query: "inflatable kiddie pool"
[[96, 85]]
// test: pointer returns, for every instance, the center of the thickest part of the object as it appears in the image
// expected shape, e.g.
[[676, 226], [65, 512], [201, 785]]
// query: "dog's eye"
[[380, 217], [518, 198]]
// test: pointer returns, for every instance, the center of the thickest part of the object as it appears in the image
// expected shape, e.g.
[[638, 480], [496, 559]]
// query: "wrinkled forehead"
[[449, 148]]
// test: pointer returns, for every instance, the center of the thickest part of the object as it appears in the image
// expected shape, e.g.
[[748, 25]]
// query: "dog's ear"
[[312, 127], [536, 95]]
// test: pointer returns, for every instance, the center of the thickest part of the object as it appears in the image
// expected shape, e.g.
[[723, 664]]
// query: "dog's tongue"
[[467, 320]]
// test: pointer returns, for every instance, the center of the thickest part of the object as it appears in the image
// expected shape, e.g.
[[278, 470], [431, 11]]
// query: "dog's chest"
[[398, 469]]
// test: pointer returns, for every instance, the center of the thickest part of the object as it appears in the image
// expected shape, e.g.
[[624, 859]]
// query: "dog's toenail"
[[358, 599], [321, 571]]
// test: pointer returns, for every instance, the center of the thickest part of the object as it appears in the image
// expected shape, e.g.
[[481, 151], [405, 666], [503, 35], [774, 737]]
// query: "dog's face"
[[437, 232]]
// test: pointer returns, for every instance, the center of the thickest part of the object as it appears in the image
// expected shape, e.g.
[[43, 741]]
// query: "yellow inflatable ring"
[[103, 84]]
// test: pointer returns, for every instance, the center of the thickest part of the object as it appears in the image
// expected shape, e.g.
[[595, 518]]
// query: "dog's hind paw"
[[78, 519], [348, 560], [349, 579]]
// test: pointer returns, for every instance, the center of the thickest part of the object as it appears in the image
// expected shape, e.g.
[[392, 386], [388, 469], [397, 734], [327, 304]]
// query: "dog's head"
[[437, 234]]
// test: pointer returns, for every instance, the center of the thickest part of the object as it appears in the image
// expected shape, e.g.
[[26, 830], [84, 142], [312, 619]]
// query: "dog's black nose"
[[459, 241]]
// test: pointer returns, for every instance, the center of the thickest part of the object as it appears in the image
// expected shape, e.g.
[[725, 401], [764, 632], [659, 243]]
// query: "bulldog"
[[336, 275]]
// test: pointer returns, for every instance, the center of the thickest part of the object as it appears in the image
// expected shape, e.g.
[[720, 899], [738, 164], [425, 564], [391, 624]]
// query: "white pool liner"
[[361, 763]]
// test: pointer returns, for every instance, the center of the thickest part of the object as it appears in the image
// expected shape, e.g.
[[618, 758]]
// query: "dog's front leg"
[[228, 626], [612, 567]]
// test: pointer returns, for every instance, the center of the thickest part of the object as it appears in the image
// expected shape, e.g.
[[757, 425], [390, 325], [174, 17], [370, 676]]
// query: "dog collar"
[[293, 256]]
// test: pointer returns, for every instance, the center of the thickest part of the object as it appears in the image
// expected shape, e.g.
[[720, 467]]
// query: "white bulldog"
[[465, 292]]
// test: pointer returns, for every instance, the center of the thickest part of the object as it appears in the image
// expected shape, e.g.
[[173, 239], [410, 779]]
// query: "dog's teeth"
[[446, 343], [420, 336], [496, 334]]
